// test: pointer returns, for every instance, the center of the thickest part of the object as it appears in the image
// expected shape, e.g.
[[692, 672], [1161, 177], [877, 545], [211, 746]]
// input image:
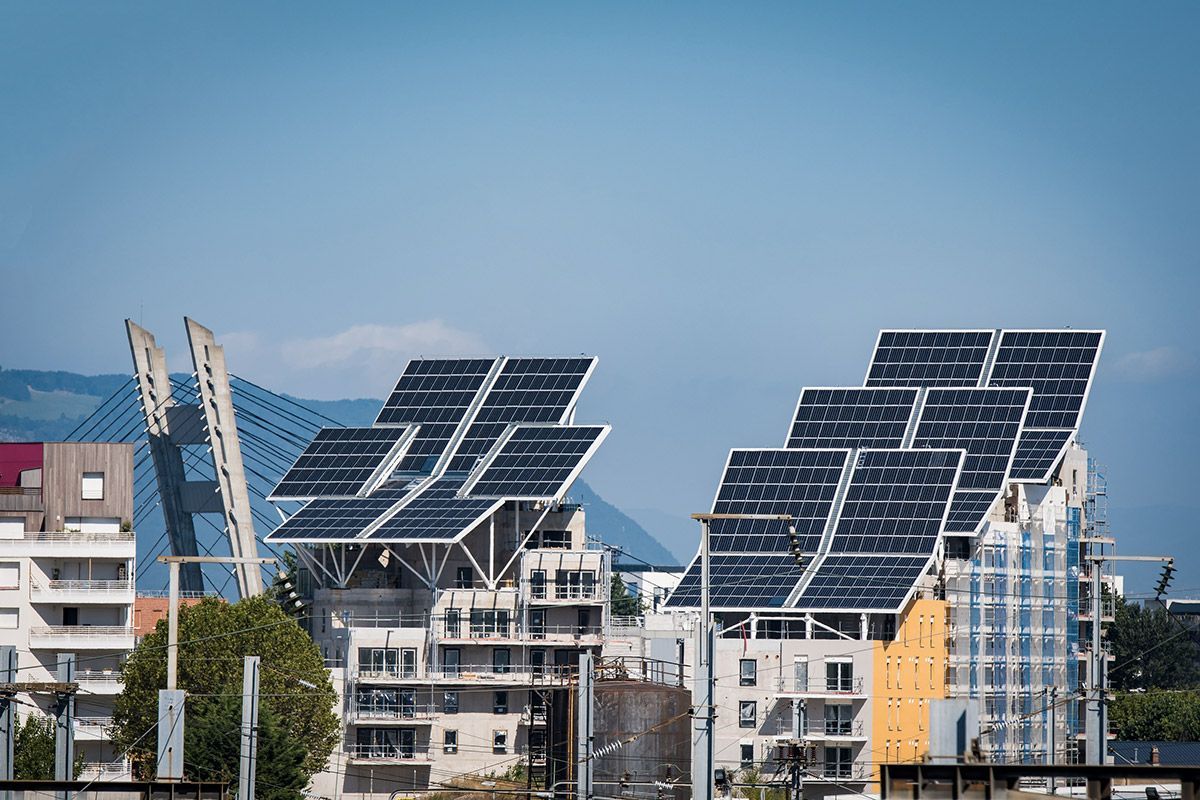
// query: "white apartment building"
[[67, 558]]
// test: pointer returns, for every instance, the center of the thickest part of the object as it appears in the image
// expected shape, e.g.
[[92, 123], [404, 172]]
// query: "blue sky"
[[723, 202]]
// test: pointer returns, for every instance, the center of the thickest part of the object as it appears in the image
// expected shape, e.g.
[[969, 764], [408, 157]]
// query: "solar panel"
[[526, 390], [984, 422], [339, 462], [1038, 452], [862, 583], [801, 483], [969, 509], [762, 580], [537, 461], [852, 417], [897, 501], [1058, 365], [436, 393], [437, 513], [929, 358], [336, 519]]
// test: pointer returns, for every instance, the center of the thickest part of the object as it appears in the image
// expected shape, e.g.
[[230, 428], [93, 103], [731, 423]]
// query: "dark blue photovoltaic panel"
[[1057, 364], [896, 502], [1038, 453], [862, 583], [526, 390], [338, 462], [536, 462], [929, 358], [436, 393], [336, 519], [800, 483], [985, 423], [852, 417], [437, 513], [740, 581], [969, 509]]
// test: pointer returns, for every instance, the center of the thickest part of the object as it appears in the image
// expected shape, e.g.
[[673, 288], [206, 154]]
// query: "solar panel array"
[[944, 421], [338, 462], [799, 483], [852, 417], [460, 409], [537, 461]]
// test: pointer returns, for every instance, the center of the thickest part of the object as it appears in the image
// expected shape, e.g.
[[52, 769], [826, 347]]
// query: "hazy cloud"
[[1153, 365], [360, 361]]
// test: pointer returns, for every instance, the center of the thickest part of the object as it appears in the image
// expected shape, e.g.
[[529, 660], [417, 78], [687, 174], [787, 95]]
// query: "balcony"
[[72, 544], [838, 772], [827, 730], [106, 771], [92, 729], [400, 714], [79, 592], [387, 754], [81, 637], [511, 634], [472, 674], [566, 594], [820, 687], [97, 681]]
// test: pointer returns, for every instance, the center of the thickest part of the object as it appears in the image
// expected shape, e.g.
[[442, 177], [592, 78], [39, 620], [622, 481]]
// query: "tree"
[[33, 749], [623, 604], [214, 636], [212, 746], [1156, 715], [1150, 650]]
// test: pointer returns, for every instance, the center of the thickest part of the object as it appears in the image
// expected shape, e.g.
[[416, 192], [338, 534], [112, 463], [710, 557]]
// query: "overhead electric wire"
[[286, 400]]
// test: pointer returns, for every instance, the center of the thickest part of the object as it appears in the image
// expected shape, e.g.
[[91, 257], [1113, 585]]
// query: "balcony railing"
[[516, 673], [98, 723], [828, 686], [104, 769], [96, 636], [818, 729], [397, 712], [72, 537], [839, 771], [387, 753], [97, 590], [512, 631]]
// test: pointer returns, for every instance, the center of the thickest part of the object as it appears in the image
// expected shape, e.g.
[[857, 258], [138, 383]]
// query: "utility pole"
[[171, 699], [704, 691], [249, 752], [64, 722], [8, 717], [1097, 711], [585, 727]]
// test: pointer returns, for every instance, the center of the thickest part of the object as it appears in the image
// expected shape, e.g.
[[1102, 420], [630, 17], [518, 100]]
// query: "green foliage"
[[1156, 716], [754, 790], [33, 749], [623, 603], [1150, 651], [212, 739], [214, 636]]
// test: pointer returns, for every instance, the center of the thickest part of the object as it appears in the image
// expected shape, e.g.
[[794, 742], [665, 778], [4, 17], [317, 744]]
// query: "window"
[[450, 741], [584, 618], [537, 662], [499, 741], [837, 720], [574, 584], [747, 672], [9, 618], [747, 714], [556, 539], [500, 703], [747, 756], [93, 486], [489, 623], [800, 674], [838, 763], [839, 676], [10, 575], [451, 661], [453, 623], [537, 584], [450, 702], [537, 623], [463, 579], [378, 660], [408, 662], [501, 660]]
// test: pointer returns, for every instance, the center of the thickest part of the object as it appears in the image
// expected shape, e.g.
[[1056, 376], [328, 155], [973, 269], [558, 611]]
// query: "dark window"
[[500, 703], [501, 660], [453, 623], [839, 676], [747, 672], [378, 660], [747, 756], [451, 661], [537, 584], [537, 623], [450, 702], [747, 714], [537, 662], [463, 578], [450, 741], [556, 539], [408, 662], [408, 703], [584, 619], [490, 623], [499, 741]]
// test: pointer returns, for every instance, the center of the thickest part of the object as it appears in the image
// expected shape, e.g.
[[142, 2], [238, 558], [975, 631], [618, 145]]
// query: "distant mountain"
[[48, 406]]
